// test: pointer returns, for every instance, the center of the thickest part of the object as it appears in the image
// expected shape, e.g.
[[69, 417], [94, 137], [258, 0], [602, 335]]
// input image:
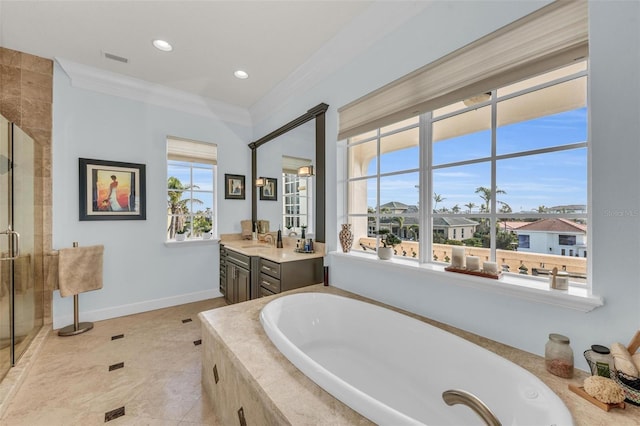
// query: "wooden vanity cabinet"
[[238, 277], [278, 277]]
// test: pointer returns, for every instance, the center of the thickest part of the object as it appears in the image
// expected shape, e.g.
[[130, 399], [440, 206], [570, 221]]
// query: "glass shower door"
[[27, 299], [6, 266], [21, 304]]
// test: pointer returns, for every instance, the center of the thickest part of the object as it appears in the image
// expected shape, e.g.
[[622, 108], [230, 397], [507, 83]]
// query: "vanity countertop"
[[270, 252]]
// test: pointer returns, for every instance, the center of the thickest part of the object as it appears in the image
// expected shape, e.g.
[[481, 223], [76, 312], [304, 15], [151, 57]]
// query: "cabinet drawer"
[[270, 283], [238, 259], [265, 292], [270, 268]]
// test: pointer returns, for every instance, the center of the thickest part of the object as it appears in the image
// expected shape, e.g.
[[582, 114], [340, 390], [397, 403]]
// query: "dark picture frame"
[[112, 190], [234, 188], [269, 191]]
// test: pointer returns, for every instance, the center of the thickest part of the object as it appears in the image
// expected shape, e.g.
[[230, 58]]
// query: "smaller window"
[[567, 240], [523, 241], [191, 171]]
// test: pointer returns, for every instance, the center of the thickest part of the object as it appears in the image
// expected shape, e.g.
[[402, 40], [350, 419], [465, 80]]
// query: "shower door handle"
[[16, 243]]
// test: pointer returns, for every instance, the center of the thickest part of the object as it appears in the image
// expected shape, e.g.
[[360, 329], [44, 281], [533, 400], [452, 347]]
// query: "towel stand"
[[77, 327]]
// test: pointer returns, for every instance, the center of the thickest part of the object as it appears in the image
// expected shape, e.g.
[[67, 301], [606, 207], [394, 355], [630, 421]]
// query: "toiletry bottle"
[[254, 235]]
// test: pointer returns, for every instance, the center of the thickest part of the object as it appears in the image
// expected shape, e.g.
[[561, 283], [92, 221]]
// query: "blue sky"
[[549, 179], [202, 178]]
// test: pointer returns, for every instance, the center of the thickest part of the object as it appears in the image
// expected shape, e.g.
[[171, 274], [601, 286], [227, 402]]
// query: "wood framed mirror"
[[317, 115]]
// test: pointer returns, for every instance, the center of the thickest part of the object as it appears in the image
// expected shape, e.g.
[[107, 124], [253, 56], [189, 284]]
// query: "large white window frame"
[[426, 170]]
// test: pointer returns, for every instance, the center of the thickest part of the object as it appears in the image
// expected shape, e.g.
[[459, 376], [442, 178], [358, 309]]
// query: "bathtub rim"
[[364, 404]]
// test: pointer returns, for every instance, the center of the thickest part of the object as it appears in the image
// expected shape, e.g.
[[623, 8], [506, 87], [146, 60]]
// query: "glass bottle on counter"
[[558, 356], [601, 361]]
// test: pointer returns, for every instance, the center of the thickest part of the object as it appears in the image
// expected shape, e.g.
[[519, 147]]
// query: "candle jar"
[[473, 263], [558, 356], [457, 257], [490, 268]]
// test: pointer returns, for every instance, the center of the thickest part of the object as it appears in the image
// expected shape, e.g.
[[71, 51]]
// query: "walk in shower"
[[21, 302]]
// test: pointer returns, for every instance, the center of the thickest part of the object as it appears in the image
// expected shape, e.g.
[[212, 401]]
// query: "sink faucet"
[[458, 396], [268, 238]]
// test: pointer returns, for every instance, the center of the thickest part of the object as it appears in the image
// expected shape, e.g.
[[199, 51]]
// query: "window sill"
[[191, 242], [537, 290]]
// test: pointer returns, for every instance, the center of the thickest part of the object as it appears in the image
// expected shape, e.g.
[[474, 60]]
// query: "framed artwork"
[[234, 187], [112, 190], [269, 191]]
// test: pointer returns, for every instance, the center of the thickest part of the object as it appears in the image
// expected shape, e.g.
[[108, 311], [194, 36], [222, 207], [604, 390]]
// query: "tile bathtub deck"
[[153, 371]]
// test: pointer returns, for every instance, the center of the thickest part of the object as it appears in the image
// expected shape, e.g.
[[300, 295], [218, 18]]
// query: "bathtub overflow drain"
[[531, 393]]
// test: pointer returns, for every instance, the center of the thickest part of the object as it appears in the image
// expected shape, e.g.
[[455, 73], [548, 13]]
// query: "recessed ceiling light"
[[162, 45], [241, 74]]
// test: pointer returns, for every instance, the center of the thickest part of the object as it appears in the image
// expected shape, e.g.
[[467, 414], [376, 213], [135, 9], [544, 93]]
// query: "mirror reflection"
[[279, 160], [297, 196]]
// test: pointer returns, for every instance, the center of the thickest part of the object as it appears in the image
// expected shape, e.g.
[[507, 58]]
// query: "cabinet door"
[[230, 295], [243, 283]]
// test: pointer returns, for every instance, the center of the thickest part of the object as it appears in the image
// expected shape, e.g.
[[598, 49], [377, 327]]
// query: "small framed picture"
[[269, 191], [111, 190], [234, 187]]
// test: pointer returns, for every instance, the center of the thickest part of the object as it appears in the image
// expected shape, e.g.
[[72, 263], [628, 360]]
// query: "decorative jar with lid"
[[558, 356], [601, 361]]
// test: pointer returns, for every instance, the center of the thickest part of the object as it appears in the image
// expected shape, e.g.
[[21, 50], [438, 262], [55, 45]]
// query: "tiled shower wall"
[[26, 97]]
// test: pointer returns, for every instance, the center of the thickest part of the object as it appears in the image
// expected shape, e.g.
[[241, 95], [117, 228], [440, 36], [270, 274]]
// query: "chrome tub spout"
[[458, 396]]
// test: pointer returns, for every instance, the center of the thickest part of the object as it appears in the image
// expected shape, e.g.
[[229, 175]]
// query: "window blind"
[[292, 164], [550, 37], [192, 151]]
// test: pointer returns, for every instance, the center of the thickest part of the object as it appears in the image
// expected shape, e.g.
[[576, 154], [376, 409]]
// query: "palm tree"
[[470, 206], [400, 221], [485, 194], [437, 198], [177, 206], [455, 209], [542, 209]]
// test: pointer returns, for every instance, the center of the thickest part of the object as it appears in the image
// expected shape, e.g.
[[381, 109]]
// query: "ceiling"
[[211, 39]]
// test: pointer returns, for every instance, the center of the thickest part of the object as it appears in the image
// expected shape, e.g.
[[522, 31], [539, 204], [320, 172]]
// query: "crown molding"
[[110, 83], [380, 19]]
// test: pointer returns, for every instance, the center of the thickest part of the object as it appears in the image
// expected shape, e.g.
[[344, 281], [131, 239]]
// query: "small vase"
[[180, 237], [346, 237], [385, 253]]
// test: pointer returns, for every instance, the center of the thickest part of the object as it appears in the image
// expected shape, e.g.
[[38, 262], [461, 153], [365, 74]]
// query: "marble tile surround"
[[26, 98], [258, 370]]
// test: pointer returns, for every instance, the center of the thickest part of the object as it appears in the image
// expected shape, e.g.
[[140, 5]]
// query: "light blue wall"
[[615, 174], [140, 272]]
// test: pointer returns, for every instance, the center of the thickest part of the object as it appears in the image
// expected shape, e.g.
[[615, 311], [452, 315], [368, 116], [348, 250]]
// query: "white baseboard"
[[66, 319]]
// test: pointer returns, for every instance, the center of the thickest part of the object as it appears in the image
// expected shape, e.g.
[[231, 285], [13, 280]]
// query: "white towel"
[[80, 269]]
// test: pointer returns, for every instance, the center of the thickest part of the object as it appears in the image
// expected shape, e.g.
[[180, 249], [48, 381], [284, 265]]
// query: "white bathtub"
[[393, 369]]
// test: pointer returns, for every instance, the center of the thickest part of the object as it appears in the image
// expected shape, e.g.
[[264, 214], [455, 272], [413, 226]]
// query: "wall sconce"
[[305, 171], [260, 182]]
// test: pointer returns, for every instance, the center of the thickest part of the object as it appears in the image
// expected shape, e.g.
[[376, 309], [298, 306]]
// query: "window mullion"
[[494, 187], [426, 188]]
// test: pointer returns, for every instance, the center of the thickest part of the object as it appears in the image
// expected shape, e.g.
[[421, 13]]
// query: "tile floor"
[[151, 374]]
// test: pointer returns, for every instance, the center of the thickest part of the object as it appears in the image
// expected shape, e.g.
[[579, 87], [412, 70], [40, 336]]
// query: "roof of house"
[[453, 221], [394, 205], [554, 225], [512, 225]]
